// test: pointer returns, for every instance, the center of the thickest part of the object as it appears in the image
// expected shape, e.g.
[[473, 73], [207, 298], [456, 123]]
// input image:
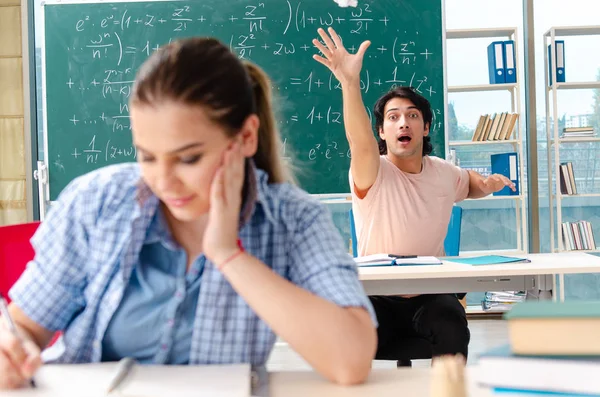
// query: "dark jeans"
[[439, 318]]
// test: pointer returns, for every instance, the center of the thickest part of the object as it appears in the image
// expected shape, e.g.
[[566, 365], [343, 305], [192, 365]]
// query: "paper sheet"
[[91, 380], [375, 258]]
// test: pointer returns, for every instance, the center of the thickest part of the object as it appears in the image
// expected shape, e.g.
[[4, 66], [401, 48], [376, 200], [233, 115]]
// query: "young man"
[[402, 198]]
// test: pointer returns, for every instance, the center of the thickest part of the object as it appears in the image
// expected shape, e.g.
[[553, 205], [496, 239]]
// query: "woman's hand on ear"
[[221, 235]]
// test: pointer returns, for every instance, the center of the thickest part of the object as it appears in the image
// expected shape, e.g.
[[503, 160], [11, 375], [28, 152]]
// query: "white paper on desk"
[[376, 258], [92, 380], [419, 260]]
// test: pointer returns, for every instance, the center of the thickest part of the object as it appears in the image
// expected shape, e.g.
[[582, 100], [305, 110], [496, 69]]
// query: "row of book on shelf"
[[553, 349], [502, 64], [567, 179], [495, 127], [578, 236], [578, 132]]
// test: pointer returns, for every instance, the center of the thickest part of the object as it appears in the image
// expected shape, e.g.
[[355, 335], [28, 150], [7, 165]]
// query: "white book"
[[91, 380], [396, 260], [568, 375]]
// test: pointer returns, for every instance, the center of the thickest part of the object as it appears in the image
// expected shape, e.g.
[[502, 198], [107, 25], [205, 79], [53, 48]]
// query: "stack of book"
[[554, 349], [578, 236], [567, 179], [495, 127], [575, 132], [502, 301]]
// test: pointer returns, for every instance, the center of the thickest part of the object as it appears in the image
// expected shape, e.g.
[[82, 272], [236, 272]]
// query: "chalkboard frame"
[[327, 197]]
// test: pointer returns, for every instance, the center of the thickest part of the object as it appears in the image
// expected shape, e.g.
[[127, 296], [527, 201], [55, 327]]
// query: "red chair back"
[[15, 252]]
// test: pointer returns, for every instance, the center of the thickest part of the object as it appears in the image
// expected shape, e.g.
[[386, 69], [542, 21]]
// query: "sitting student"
[[199, 254], [402, 199]]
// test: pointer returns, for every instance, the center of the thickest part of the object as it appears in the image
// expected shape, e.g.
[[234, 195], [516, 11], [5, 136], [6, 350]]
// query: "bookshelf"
[[482, 87], [556, 143], [579, 85], [514, 144], [572, 140]]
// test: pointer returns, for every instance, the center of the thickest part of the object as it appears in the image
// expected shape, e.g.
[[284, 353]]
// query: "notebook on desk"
[[396, 260], [488, 260], [91, 380]]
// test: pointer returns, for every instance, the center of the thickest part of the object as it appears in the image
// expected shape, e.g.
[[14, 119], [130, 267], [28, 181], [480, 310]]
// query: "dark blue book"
[[559, 61], [496, 62], [510, 68], [506, 164]]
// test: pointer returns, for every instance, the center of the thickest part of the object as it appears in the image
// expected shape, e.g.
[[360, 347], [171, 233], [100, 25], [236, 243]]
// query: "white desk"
[[91, 380], [455, 277], [406, 382]]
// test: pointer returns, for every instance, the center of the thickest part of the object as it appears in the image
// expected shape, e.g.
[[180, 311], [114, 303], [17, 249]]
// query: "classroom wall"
[[13, 205]]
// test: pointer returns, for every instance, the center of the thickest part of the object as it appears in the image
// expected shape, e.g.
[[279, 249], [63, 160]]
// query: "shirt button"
[[96, 344], [171, 322], [163, 346], [178, 294]]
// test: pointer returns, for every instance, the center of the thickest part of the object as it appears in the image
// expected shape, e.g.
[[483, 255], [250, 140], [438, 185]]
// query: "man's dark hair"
[[420, 103]]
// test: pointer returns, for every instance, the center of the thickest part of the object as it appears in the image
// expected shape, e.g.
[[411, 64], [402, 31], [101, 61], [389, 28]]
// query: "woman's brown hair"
[[204, 72]]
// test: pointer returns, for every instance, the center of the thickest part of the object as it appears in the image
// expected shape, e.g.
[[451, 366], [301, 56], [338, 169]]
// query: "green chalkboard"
[[92, 51]]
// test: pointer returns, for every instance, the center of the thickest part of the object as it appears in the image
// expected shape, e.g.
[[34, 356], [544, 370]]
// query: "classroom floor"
[[485, 334]]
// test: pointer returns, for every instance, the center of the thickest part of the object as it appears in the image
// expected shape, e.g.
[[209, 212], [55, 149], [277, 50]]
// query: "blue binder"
[[496, 62], [510, 69], [506, 164], [560, 62]]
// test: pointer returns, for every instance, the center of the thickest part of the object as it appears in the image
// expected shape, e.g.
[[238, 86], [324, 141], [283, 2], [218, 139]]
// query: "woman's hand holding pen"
[[221, 235], [19, 358]]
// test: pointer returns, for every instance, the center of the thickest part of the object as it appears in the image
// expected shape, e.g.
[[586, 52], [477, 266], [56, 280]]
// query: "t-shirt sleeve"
[[373, 190], [461, 176]]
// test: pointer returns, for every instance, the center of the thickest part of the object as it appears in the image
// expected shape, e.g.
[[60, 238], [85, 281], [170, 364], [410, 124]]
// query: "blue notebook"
[[488, 260], [520, 393]]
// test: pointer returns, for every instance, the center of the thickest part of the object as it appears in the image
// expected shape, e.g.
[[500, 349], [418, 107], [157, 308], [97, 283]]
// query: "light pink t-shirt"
[[408, 214]]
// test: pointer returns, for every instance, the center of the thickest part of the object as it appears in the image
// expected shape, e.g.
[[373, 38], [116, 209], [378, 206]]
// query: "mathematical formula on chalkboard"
[[93, 51]]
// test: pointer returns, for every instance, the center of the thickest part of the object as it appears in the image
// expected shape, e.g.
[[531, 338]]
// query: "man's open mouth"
[[404, 138]]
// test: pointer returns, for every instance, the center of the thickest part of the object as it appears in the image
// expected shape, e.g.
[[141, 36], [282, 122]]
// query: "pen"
[[403, 256], [11, 326], [123, 369]]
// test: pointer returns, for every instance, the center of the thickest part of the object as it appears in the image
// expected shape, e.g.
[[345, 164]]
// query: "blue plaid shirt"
[[91, 240]]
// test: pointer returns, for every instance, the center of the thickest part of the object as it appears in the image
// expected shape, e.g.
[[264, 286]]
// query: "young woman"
[[202, 252]]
